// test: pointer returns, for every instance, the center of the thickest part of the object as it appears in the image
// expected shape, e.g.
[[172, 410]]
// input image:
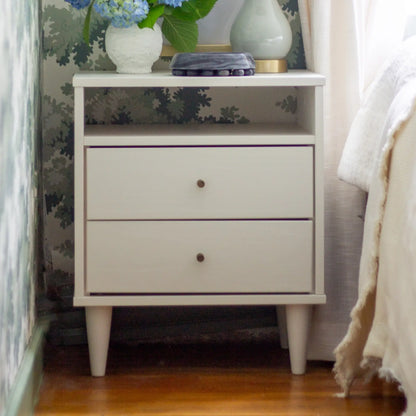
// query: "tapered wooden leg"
[[98, 320], [297, 318], [281, 324]]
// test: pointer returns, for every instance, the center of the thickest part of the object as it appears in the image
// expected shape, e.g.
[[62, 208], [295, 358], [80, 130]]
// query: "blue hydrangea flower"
[[174, 3], [122, 13], [79, 4]]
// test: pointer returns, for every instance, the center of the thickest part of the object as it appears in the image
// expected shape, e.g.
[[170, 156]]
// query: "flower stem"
[[86, 29]]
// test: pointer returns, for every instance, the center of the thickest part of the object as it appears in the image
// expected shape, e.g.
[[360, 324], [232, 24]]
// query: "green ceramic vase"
[[261, 29]]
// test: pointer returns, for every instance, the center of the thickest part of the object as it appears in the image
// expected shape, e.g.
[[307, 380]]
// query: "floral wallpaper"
[[19, 105], [65, 53]]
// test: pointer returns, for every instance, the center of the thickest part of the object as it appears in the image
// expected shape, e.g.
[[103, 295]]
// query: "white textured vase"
[[133, 50], [261, 29]]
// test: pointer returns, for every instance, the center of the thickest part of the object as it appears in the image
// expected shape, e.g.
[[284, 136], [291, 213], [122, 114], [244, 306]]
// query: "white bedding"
[[374, 122], [382, 333]]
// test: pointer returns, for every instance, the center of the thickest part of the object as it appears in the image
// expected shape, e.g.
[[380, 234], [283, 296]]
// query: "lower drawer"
[[199, 256]]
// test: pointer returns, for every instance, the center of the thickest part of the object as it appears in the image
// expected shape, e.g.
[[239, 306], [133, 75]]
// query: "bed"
[[380, 157]]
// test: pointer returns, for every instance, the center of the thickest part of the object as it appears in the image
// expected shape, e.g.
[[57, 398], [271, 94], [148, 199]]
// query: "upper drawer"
[[199, 182]]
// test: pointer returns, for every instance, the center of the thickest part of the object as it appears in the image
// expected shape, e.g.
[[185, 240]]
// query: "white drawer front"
[[162, 183], [162, 256]]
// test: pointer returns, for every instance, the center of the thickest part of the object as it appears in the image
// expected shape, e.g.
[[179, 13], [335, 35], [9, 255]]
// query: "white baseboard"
[[23, 396]]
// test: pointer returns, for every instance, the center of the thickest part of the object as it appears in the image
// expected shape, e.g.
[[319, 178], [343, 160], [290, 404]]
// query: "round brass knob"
[[200, 257], [200, 183]]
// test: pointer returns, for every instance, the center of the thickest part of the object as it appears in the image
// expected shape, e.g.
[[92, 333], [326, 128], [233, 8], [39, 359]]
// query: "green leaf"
[[182, 15], [198, 8], [86, 30], [152, 17], [289, 104], [67, 89], [183, 35], [81, 51], [169, 10]]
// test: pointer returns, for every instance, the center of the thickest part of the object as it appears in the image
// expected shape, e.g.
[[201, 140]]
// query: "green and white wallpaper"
[[64, 53], [19, 174]]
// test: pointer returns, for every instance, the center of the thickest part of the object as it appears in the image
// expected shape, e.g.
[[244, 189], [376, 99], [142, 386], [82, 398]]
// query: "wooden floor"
[[222, 379]]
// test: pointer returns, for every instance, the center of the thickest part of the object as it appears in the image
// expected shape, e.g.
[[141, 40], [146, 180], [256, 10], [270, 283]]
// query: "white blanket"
[[382, 333], [370, 129]]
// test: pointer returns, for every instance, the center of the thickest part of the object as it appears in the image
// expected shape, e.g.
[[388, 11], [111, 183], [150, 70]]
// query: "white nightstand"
[[213, 214]]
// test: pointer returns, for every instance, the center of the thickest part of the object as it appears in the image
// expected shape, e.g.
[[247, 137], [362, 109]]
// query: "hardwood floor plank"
[[198, 380]]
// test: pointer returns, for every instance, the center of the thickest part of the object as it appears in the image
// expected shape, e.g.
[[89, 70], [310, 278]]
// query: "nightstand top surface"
[[293, 78]]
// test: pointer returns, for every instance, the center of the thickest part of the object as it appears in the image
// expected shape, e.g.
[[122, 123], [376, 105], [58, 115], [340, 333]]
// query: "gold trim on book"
[[271, 65], [169, 50]]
